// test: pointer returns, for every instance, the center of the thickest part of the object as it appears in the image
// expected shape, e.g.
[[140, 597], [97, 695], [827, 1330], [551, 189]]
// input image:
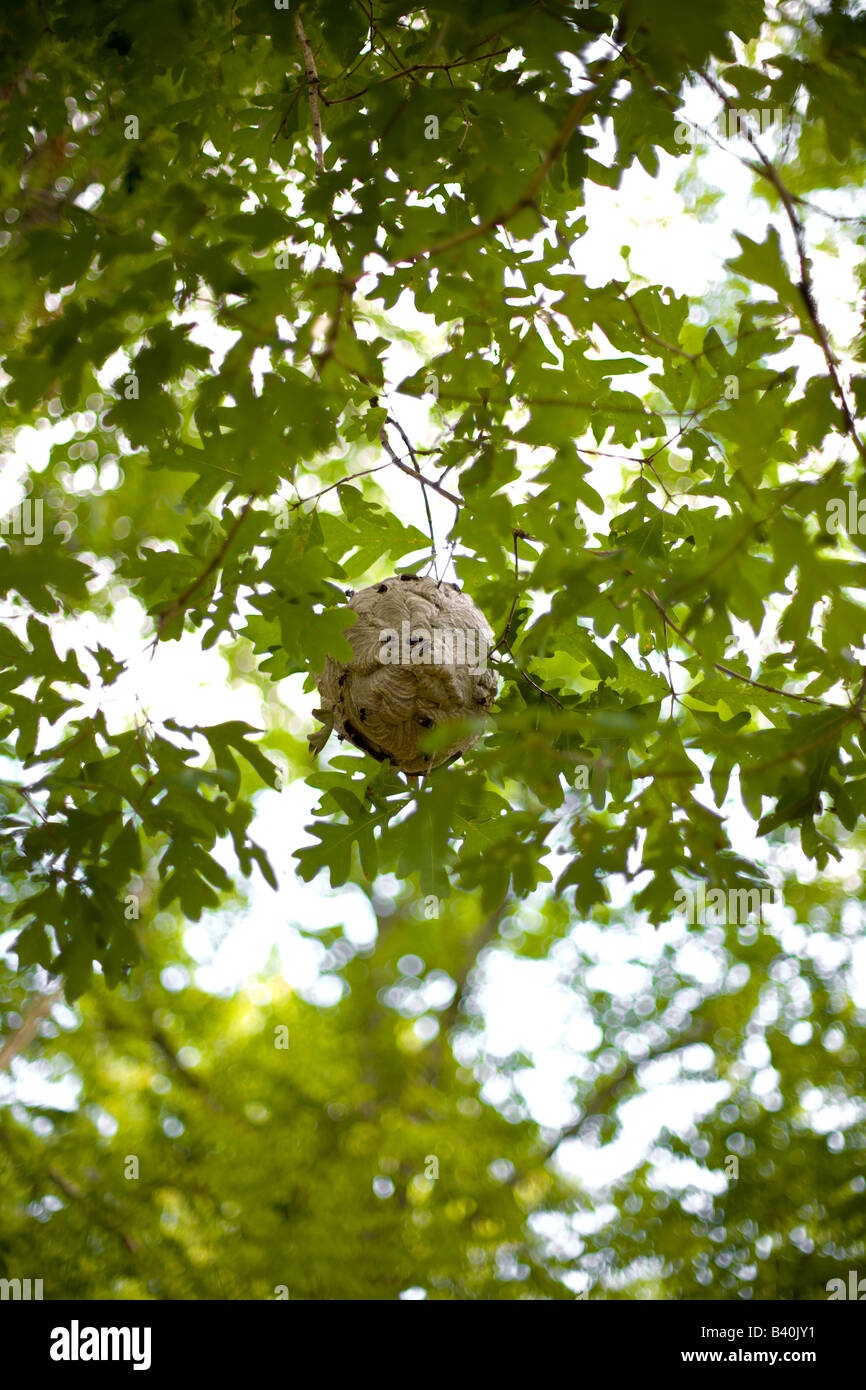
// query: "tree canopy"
[[294, 298]]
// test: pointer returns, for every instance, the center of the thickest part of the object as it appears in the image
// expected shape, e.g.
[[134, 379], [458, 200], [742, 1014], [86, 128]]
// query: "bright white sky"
[[527, 1005]]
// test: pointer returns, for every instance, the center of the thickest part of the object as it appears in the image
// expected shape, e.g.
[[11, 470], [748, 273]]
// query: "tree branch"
[[729, 670], [449, 496], [422, 480], [312, 91], [611, 1090], [18, 1041], [766, 169], [578, 110], [73, 1193], [182, 601]]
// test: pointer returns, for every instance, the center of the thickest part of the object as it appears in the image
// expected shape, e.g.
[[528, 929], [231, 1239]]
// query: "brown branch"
[[767, 170], [26, 797], [67, 1187]]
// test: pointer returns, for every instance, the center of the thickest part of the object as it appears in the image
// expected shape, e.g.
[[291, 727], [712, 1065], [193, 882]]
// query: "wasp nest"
[[420, 659]]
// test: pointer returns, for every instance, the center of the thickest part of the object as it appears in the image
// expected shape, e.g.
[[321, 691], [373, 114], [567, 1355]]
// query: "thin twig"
[[767, 170], [350, 478], [654, 337], [423, 481], [406, 72], [182, 602], [505, 631], [729, 670], [386, 43], [529, 681], [449, 496]]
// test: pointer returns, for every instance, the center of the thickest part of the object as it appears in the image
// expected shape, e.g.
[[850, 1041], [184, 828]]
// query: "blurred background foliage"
[[260, 1146]]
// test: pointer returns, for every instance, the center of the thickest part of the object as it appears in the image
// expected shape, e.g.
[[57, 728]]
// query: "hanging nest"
[[420, 659]]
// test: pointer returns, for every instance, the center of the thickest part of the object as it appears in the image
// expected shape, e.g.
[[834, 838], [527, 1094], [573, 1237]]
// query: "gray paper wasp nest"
[[420, 658]]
